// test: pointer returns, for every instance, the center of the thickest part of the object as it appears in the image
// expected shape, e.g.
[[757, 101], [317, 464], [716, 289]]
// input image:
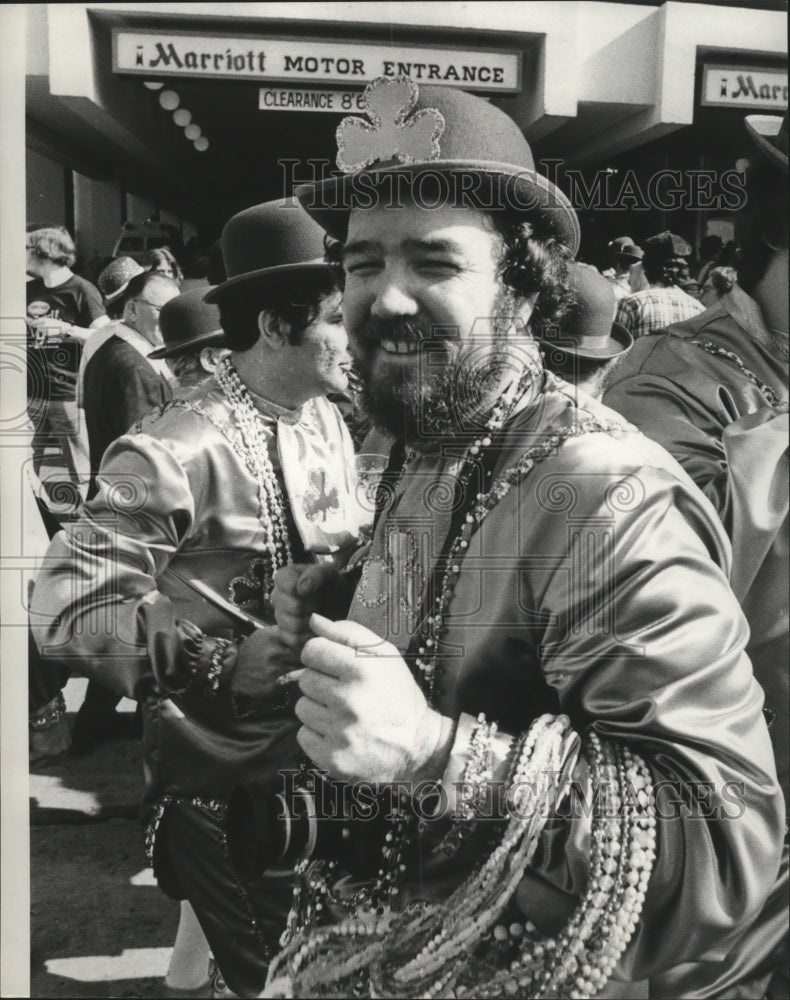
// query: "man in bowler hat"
[[196, 508], [546, 592]]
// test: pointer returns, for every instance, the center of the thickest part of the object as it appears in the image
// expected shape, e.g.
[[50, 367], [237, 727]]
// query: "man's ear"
[[274, 332]]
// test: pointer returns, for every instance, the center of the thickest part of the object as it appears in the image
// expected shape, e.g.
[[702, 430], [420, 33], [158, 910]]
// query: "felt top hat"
[[264, 243], [475, 154], [589, 322], [188, 323], [116, 276], [769, 133], [625, 247]]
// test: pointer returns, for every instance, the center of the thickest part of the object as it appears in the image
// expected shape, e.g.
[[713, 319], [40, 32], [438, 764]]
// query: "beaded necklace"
[[771, 396], [256, 458]]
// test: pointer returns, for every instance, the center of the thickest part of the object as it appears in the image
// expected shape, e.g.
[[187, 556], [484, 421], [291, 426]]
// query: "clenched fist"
[[363, 715]]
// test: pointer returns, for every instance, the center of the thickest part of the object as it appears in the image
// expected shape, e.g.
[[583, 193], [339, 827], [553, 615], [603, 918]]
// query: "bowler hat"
[[116, 276], [475, 155], [589, 323], [188, 323], [266, 242], [769, 132]]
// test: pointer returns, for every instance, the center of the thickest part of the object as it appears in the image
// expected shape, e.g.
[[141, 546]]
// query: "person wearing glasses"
[[121, 384]]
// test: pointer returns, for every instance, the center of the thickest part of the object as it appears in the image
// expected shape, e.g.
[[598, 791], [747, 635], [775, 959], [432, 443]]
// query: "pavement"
[[100, 927]]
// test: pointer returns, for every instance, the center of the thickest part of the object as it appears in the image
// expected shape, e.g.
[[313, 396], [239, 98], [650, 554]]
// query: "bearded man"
[[544, 614]]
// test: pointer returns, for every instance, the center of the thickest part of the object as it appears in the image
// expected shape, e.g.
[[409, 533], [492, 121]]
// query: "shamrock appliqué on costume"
[[390, 134], [255, 587], [318, 500]]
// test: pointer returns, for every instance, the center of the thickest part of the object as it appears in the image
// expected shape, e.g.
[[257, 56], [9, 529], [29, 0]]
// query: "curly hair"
[[162, 260], [52, 243], [296, 303], [667, 271], [534, 261]]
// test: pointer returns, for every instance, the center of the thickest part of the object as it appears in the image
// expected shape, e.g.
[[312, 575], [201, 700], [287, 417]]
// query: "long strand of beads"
[[254, 437]]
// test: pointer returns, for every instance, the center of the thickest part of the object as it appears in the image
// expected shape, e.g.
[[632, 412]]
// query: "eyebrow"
[[420, 246]]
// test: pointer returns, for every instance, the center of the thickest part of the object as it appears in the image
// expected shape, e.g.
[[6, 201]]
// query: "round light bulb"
[[169, 100], [182, 117], [153, 84], [201, 144], [192, 132]]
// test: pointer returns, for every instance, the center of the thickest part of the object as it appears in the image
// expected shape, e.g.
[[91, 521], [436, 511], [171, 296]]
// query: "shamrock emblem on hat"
[[390, 134]]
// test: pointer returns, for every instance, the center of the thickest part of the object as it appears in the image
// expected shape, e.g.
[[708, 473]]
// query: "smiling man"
[[249, 471], [544, 610]]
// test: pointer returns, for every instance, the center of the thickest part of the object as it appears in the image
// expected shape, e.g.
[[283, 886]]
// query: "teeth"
[[400, 346]]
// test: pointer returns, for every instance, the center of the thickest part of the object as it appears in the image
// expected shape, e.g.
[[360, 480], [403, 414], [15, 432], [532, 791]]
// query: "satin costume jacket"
[[598, 587], [729, 433], [176, 501]]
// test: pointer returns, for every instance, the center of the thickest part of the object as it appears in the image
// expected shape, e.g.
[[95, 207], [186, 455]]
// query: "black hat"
[[769, 133], [589, 322], [266, 242], [467, 144], [666, 246], [188, 323]]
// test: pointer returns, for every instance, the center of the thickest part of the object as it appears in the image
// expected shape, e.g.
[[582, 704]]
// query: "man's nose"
[[393, 298]]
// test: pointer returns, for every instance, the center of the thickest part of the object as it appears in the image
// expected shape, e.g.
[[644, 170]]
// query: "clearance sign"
[[295, 61]]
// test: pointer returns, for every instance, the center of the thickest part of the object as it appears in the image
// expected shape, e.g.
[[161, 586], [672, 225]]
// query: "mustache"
[[403, 328]]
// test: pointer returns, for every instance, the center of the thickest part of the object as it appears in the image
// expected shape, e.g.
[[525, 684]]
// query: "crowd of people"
[[449, 573]]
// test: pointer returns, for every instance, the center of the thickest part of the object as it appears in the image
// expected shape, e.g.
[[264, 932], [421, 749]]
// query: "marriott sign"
[[290, 60]]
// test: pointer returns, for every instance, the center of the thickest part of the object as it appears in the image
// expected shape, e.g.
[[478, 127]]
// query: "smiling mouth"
[[400, 346]]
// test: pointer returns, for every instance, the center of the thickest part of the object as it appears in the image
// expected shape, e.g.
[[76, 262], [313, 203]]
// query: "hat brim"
[[762, 129], [215, 338], [265, 276], [619, 341], [515, 189]]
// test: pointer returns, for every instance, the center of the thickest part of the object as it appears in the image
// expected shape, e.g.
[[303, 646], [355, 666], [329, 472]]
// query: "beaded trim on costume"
[[772, 397], [51, 713]]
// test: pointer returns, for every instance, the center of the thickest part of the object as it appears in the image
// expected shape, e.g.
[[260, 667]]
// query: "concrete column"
[[46, 190], [97, 215]]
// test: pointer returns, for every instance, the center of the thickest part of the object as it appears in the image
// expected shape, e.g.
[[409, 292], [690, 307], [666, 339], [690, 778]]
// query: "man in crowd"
[[663, 301], [62, 309], [714, 392], [625, 253], [588, 345], [546, 593], [120, 383], [193, 341], [250, 470]]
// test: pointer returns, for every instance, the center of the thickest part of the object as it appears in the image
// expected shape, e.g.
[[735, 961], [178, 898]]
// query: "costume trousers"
[[242, 923]]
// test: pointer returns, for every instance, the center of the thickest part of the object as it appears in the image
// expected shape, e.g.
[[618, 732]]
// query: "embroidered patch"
[[391, 134], [318, 499], [255, 586]]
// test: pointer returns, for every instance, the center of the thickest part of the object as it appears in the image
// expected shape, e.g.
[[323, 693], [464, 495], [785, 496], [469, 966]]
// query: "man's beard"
[[450, 389]]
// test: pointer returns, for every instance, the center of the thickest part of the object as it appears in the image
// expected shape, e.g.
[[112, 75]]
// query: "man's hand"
[[300, 590], [262, 658], [363, 715]]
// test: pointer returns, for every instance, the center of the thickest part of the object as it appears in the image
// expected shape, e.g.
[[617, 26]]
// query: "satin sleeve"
[[643, 641], [687, 423], [95, 603]]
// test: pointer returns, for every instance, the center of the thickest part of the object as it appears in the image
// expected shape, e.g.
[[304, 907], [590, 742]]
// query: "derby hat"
[[588, 329], [769, 133], [188, 323], [474, 154], [116, 276], [267, 242]]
